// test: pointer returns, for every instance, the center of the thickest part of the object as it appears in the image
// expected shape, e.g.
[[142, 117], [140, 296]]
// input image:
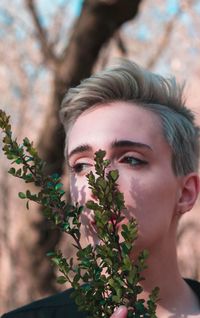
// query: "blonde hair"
[[163, 96]]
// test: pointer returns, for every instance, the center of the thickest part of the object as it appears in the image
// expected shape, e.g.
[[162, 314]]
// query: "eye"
[[80, 167], [133, 161]]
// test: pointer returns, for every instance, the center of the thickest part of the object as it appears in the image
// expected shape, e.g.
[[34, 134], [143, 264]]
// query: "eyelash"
[[137, 161], [130, 160], [78, 167]]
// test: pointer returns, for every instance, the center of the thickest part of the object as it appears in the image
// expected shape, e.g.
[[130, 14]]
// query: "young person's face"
[[134, 143]]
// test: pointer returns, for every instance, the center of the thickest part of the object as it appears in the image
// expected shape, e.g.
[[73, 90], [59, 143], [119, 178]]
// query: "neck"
[[175, 296]]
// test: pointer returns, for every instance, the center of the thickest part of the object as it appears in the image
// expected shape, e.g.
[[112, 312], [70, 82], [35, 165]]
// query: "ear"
[[189, 193]]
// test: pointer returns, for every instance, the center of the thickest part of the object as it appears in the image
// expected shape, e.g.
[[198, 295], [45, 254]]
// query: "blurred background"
[[48, 46]]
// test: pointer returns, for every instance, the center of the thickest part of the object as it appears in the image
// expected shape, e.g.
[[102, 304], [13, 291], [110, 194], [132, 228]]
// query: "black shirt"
[[62, 306]]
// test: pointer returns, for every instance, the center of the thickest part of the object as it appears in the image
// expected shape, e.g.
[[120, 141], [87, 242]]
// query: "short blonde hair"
[[163, 96]]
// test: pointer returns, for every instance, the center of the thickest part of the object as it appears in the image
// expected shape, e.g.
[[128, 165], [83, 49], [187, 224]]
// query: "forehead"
[[102, 124]]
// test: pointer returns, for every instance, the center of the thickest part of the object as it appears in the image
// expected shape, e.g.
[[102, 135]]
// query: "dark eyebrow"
[[79, 149], [129, 143], [115, 144]]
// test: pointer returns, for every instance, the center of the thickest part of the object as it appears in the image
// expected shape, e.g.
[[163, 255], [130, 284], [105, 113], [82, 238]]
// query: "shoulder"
[[57, 306], [195, 286]]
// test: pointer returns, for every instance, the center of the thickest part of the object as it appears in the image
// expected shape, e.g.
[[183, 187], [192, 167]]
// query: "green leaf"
[[91, 178], [114, 175], [127, 263], [55, 176], [99, 155], [58, 186], [9, 156], [51, 254], [116, 299], [101, 182], [7, 140], [76, 279], [33, 151], [126, 248], [19, 161], [19, 172], [56, 260], [22, 195], [26, 142], [92, 205], [61, 279], [12, 171]]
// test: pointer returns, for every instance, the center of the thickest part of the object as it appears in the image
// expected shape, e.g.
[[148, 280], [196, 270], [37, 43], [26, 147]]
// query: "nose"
[[110, 167]]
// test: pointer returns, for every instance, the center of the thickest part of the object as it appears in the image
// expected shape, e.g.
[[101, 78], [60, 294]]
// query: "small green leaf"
[[56, 260], [33, 151], [92, 205], [61, 279], [51, 254], [114, 174], [116, 299], [101, 182], [19, 172], [26, 142], [58, 186], [55, 176], [12, 171], [7, 140], [22, 195], [18, 161]]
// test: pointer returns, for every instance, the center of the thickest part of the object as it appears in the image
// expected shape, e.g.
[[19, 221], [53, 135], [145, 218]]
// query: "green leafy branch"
[[104, 276], [50, 196]]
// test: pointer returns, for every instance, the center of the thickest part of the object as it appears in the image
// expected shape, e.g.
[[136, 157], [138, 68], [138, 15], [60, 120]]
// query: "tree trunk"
[[98, 21]]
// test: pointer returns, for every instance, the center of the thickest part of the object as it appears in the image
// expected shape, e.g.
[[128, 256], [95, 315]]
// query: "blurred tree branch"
[[170, 26], [46, 47]]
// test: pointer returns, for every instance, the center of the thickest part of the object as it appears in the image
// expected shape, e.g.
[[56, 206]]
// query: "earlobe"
[[189, 193]]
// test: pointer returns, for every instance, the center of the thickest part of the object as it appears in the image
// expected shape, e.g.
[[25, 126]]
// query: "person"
[[150, 136]]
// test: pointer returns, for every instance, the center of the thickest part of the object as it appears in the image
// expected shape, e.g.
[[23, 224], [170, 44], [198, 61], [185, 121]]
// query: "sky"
[[49, 7]]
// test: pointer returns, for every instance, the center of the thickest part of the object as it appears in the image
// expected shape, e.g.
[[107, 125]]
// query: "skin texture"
[[120, 312], [134, 143]]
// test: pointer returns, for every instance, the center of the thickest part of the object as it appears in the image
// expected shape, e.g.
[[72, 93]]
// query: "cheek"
[[131, 189], [148, 201], [152, 208], [78, 190]]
